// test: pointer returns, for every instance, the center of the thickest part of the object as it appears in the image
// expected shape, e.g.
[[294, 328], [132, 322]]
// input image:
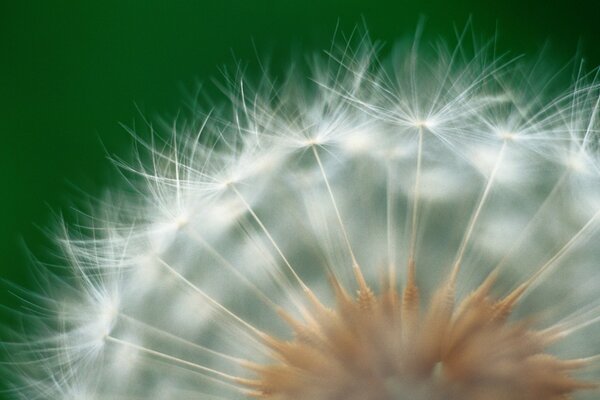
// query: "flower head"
[[423, 226]]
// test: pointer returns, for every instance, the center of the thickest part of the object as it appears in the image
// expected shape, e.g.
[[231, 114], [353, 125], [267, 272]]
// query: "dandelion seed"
[[422, 226]]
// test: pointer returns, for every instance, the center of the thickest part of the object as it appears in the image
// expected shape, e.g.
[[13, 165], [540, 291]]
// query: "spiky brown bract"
[[385, 348]]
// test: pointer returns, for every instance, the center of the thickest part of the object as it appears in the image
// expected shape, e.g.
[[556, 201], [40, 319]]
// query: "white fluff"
[[220, 221]]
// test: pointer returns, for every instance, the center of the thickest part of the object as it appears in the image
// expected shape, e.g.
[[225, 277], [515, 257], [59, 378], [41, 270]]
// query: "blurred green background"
[[72, 71]]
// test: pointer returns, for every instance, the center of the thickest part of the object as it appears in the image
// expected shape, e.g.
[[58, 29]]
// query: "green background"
[[72, 71]]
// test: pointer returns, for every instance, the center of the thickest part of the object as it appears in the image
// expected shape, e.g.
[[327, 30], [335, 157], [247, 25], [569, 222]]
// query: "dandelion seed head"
[[422, 225]]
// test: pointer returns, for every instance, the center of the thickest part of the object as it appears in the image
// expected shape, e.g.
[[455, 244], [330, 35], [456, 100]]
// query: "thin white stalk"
[[391, 226], [175, 360], [335, 207], [358, 275], [415, 201], [518, 242], [212, 301], [223, 261], [576, 323], [171, 336], [533, 280], [473, 221], [270, 237]]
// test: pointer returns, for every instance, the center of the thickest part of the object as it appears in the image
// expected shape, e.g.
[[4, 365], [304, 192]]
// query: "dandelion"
[[419, 226]]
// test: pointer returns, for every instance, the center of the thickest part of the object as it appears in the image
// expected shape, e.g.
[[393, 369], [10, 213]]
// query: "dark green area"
[[71, 71]]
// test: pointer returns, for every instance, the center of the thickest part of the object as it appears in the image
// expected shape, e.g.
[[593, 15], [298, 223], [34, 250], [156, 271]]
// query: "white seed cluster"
[[461, 160]]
